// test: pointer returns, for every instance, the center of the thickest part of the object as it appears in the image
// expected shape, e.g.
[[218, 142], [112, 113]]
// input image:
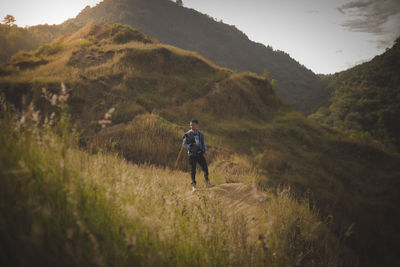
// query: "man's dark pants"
[[203, 164]]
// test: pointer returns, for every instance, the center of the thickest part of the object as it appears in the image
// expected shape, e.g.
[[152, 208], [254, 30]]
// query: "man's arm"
[[204, 144]]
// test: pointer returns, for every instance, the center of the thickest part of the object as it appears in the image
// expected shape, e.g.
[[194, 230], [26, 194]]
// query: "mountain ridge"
[[223, 44]]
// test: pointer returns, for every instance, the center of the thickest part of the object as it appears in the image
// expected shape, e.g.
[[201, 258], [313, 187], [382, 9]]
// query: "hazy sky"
[[324, 35]]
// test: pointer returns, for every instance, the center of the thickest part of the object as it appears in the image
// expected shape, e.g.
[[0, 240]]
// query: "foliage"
[[9, 20], [366, 98], [14, 39]]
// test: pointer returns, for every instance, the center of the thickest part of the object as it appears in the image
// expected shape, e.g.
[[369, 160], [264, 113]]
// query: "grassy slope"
[[155, 89], [61, 206]]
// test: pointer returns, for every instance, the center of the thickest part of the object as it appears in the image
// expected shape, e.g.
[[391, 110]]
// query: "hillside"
[[144, 93], [61, 206], [366, 98], [223, 44]]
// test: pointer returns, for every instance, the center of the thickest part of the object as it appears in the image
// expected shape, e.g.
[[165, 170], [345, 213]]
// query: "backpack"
[[194, 149]]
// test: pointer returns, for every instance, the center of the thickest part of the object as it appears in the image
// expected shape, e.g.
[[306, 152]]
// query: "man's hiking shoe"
[[194, 187], [208, 184]]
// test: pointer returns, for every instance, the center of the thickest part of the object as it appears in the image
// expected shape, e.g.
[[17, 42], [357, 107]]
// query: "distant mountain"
[[223, 44], [366, 98], [150, 91]]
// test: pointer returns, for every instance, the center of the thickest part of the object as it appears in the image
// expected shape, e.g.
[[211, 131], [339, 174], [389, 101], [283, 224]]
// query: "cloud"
[[378, 17]]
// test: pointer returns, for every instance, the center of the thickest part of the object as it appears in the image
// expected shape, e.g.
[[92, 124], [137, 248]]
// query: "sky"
[[326, 36]]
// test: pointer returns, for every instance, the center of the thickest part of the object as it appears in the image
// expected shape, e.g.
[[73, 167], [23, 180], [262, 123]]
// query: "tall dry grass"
[[63, 206]]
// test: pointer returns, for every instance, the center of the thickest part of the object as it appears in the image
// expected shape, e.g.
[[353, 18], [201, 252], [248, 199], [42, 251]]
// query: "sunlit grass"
[[70, 207]]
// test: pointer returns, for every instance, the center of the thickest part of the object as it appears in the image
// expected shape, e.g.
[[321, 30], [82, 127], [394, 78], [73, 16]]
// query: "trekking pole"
[[179, 155]]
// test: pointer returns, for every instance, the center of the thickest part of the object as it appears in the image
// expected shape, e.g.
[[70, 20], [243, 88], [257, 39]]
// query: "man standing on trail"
[[193, 141]]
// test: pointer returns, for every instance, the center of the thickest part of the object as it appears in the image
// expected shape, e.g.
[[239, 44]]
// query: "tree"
[[179, 2], [9, 20]]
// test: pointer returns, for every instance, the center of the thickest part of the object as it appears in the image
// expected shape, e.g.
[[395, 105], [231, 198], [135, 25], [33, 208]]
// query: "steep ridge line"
[[223, 44]]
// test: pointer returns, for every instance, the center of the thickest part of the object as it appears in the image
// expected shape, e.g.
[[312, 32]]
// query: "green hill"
[[144, 93], [366, 98], [223, 44], [14, 39]]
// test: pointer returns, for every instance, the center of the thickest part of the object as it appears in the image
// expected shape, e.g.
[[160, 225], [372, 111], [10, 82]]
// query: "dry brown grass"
[[100, 209]]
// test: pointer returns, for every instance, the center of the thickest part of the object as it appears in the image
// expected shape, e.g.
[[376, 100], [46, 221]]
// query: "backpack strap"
[[189, 137]]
